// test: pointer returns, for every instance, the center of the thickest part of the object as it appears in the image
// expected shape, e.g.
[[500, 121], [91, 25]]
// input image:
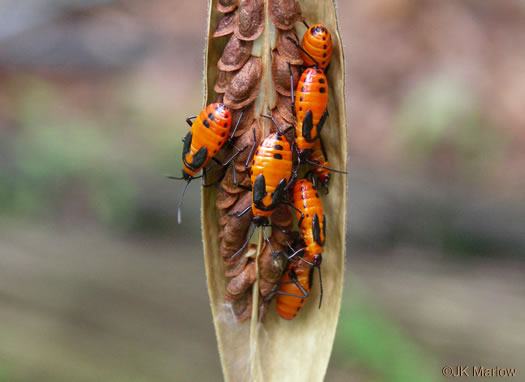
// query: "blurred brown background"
[[99, 283]]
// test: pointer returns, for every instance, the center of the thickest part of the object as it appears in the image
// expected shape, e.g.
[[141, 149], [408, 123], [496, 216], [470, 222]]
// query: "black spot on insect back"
[[211, 116], [278, 147], [318, 30], [303, 89], [322, 90], [321, 81], [206, 123], [277, 156]]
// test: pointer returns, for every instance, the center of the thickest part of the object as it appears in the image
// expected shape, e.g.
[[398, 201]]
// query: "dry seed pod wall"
[[311, 334]]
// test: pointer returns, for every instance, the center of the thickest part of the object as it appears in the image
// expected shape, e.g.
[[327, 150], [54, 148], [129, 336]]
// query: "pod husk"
[[311, 334]]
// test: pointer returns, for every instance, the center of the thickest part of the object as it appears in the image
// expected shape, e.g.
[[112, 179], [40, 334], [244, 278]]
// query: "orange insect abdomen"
[[273, 159], [317, 41], [311, 94], [289, 306], [306, 199], [210, 129]]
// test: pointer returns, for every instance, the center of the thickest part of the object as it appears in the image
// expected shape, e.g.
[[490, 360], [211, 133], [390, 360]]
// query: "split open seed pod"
[[277, 350]]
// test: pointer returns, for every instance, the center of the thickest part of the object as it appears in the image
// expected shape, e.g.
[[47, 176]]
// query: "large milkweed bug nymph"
[[310, 101], [210, 130], [271, 176], [316, 46], [296, 282], [310, 214]]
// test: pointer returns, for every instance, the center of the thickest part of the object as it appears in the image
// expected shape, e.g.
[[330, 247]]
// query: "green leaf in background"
[[369, 340]]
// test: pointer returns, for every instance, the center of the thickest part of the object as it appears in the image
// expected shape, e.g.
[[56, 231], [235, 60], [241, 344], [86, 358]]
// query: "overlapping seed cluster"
[[241, 86]]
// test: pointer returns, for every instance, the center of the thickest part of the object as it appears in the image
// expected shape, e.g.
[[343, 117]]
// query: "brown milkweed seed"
[[245, 123], [242, 307], [287, 49], [250, 20], [235, 266], [225, 25], [222, 82], [282, 216], [284, 13], [284, 105], [246, 140], [224, 218], [235, 54], [226, 250], [287, 127], [244, 84], [271, 267], [224, 199], [240, 283], [281, 74], [225, 6], [236, 228], [228, 184]]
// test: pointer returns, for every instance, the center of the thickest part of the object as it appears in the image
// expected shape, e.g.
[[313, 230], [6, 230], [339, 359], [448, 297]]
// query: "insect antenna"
[[179, 214], [304, 51], [326, 168]]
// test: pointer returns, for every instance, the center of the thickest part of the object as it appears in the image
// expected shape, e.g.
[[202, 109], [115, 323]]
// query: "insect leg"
[[268, 241], [320, 287], [251, 150], [245, 244], [296, 282], [291, 90], [238, 121], [188, 120], [206, 170], [295, 208], [296, 253], [239, 214], [236, 182], [275, 123]]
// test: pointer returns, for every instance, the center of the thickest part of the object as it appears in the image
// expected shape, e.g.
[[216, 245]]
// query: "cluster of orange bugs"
[[273, 165]]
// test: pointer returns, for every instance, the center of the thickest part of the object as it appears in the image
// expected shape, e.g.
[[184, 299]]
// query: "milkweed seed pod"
[[248, 54]]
